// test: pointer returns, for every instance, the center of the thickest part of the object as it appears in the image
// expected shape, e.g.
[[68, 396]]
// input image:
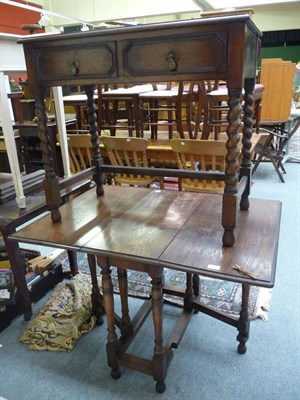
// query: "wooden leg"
[[229, 207], [196, 288], [19, 269], [130, 117], [51, 183], [73, 262], [232, 166], [92, 120], [97, 299], [188, 297], [159, 357], [112, 339], [245, 169], [276, 167], [244, 323], [196, 285], [126, 325], [136, 120]]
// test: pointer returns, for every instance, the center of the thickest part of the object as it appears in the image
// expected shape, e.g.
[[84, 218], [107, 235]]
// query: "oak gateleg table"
[[149, 230], [146, 230]]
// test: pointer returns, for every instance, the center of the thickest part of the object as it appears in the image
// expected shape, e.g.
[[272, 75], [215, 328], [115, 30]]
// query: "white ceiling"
[[64, 12], [103, 10]]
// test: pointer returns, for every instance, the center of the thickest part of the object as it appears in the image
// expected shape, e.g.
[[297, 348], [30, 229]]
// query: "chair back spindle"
[[201, 155], [129, 152]]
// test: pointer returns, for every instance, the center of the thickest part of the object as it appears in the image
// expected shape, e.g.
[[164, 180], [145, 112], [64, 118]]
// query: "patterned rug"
[[67, 314], [64, 317], [220, 295]]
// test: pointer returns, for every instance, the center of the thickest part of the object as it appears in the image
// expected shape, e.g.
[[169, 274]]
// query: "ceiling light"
[[45, 20]]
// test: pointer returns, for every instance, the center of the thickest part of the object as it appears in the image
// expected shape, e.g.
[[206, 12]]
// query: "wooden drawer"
[[80, 61], [183, 54]]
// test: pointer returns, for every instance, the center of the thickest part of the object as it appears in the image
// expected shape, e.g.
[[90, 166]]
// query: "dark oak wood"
[[222, 48], [147, 230]]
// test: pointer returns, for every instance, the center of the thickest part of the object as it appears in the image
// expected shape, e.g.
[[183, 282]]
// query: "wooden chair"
[[277, 76], [216, 107], [273, 147], [118, 108], [80, 151], [129, 152], [204, 155], [171, 105]]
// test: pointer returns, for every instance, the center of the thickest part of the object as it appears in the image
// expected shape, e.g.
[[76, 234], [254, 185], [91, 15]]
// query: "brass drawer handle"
[[172, 58], [74, 67]]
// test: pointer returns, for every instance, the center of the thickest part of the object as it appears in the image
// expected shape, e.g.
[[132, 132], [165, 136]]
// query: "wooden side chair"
[[216, 107], [200, 155], [80, 151], [173, 105], [273, 147], [118, 108], [129, 152]]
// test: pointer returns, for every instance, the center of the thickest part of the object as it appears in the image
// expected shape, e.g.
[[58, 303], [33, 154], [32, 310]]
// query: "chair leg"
[[280, 165], [277, 169], [257, 162], [161, 182]]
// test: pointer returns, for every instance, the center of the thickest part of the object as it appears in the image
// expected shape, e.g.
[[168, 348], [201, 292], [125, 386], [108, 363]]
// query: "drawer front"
[[76, 61], [184, 54]]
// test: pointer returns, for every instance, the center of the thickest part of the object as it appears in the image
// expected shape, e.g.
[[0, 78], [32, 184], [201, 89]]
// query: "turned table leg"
[[244, 323], [126, 325], [97, 161], [232, 166], [51, 182], [188, 297], [159, 357], [96, 297], [245, 169], [112, 339], [19, 269]]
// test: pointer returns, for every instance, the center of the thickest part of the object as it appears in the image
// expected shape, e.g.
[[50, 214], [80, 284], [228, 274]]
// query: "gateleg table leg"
[[19, 270], [97, 300], [126, 325], [112, 339], [188, 298], [244, 322], [159, 357]]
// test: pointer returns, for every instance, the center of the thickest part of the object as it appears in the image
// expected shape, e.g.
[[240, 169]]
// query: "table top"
[[178, 230], [137, 89], [77, 99]]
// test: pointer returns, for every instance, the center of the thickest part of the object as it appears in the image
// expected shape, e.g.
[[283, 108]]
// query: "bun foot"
[[242, 348], [160, 387], [99, 321], [228, 238], [27, 315], [115, 373]]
